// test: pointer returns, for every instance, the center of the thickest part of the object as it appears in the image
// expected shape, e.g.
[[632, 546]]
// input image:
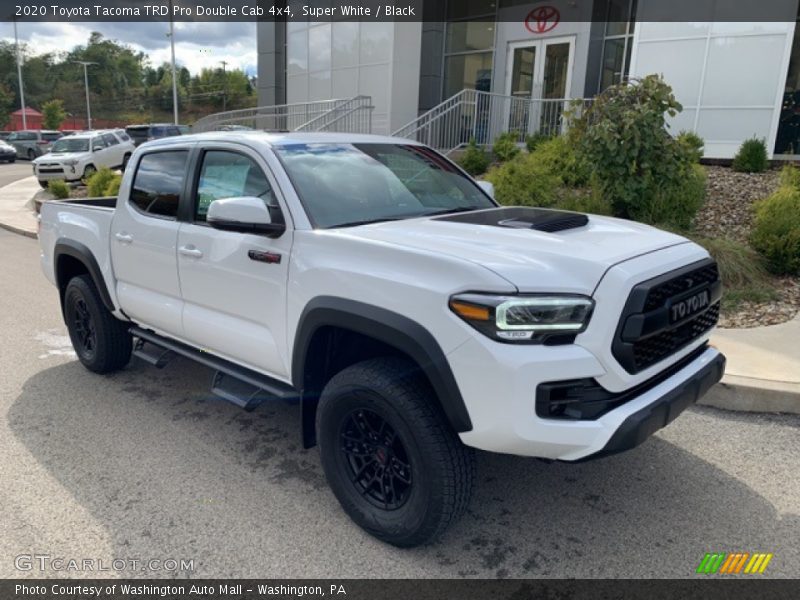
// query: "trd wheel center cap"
[[382, 454]]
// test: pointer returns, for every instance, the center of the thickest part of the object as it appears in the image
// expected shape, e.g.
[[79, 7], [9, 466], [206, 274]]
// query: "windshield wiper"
[[449, 211], [367, 222]]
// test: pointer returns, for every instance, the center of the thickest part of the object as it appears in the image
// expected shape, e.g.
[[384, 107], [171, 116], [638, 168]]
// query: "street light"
[[171, 36], [19, 75], [85, 64], [225, 85]]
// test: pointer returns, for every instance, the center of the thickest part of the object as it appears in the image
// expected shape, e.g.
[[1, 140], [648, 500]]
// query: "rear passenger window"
[[158, 183], [110, 140]]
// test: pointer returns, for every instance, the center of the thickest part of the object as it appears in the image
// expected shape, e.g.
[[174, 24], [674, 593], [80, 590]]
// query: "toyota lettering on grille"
[[689, 306]]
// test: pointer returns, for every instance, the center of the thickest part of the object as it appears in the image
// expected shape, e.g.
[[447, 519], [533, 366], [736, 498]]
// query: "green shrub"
[[59, 188], [585, 200], [744, 278], [558, 156], [692, 145], [637, 165], [532, 141], [98, 182], [675, 205], [475, 159], [776, 230], [112, 189], [790, 177], [505, 146], [751, 157], [521, 181]]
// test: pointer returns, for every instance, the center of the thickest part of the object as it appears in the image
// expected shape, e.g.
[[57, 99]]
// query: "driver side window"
[[226, 174]]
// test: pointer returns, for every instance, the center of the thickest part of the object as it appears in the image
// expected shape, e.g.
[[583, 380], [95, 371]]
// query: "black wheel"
[[395, 465], [125, 161], [100, 340], [12, 160], [44, 184], [31, 155], [88, 171]]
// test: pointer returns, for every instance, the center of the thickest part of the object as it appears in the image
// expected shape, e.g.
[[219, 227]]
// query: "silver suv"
[[32, 143]]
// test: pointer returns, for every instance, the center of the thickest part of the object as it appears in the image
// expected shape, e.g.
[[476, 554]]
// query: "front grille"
[[650, 350], [661, 293], [645, 336], [50, 170]]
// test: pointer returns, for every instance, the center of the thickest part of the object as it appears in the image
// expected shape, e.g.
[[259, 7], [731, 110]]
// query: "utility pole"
[[19, 76], [225, 86], [85, 64], [171, 35]]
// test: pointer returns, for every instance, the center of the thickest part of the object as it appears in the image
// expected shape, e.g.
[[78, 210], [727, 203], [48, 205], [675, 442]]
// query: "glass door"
[[538, 83]]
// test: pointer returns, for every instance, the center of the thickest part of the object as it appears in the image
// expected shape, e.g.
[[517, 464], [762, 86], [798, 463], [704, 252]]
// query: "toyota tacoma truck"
[[412, 318]]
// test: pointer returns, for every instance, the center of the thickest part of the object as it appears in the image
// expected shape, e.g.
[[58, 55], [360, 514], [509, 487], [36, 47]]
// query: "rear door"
[[234, 284], [113, 152], [144, 236]]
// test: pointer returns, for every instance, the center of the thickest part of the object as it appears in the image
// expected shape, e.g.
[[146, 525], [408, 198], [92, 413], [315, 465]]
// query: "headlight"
[[69, 163], [524, 319]]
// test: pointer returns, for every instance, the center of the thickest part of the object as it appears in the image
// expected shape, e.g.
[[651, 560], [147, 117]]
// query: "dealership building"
[[735, 78]]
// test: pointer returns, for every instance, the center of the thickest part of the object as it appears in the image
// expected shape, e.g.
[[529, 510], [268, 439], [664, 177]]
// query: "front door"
[[537, 78], [234, 284]]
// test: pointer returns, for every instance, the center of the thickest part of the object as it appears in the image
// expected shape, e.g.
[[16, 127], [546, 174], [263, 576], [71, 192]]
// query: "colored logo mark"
[[734, 563]]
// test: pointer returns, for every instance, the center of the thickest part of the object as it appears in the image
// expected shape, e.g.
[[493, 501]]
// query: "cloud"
[[198, 45]]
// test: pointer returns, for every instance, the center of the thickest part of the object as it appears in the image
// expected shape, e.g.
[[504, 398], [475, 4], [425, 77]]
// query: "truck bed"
[[79, 223]]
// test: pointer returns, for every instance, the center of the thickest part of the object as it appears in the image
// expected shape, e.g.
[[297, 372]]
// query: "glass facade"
[[469, 46], [787, 140], [620, 20]]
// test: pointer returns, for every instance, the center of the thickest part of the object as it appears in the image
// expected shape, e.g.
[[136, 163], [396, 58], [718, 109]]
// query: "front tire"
[[31, 155], [395, 465], [44, 184], [88, 171], [100, 340]]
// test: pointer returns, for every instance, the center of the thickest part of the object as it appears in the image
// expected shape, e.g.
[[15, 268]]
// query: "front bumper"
[[56, 171], [639, 426], [499, 385]]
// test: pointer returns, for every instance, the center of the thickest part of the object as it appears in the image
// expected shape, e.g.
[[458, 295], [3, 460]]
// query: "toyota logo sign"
[[542, 19]]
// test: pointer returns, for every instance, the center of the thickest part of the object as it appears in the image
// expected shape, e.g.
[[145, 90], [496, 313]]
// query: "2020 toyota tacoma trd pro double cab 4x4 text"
[[412, 317]]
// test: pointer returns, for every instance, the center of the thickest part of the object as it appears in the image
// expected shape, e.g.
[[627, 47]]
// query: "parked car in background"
[[32, 143], [77, 156], [4, 135], [185, 129], [144, 133], [7, 152]]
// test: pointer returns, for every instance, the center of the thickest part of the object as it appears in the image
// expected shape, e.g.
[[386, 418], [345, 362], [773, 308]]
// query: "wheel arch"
[[72, 258], [382, 330]]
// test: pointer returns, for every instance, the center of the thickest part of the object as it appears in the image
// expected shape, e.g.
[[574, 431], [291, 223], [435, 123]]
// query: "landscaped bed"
[[728, 212]]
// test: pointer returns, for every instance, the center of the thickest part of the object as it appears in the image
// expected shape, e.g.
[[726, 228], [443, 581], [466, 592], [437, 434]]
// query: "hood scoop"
[[520, 217]]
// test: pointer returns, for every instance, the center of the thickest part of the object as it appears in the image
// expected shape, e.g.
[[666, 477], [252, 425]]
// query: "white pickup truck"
[[413, 318]]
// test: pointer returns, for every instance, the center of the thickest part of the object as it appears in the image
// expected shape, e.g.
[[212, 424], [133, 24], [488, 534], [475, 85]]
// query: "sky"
[[197, 44]]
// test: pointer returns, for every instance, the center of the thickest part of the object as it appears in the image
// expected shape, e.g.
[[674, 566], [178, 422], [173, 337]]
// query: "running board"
[[152, 354], [237, 384]]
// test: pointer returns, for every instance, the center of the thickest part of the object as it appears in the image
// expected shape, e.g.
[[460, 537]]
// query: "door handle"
[[125, 238], [190, 251]]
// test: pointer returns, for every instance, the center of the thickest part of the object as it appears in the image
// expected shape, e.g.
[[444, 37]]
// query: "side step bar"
[[232, 382]]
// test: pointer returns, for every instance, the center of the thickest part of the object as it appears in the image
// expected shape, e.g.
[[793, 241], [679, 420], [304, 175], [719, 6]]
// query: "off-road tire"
[[442, 469], [88, 171], [110, 345]]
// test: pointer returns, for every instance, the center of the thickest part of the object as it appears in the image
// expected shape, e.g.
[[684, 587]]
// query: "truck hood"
[[60, 156], [534, 249]]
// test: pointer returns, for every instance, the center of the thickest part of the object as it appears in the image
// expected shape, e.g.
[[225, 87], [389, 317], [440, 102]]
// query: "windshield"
[[71, 145], [352, 184]]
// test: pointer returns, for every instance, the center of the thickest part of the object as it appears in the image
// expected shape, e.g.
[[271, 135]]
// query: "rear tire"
[[100, 340], [395, 465], [31, 155]]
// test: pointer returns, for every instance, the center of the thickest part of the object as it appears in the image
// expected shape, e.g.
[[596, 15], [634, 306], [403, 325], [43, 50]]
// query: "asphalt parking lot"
[[146, 464]]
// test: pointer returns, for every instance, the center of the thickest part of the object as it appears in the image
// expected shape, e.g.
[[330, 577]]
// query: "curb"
[[746, 394], [19, 231]]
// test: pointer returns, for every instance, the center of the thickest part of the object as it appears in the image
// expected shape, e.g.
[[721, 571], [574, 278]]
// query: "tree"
[[53, 114], [6, 104]]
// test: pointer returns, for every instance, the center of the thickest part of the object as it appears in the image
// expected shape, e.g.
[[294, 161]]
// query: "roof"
[[29, 112], [281, 139]]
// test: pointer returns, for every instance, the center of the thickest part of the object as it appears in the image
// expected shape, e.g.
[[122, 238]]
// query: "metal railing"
[[482, 116], [352, 115]]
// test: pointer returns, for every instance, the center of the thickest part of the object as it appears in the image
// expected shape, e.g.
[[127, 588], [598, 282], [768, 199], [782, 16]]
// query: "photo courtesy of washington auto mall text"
[[387, 299]]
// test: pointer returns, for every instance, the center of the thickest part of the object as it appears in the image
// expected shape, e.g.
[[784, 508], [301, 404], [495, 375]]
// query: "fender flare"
[[67, 247], [388, 327]]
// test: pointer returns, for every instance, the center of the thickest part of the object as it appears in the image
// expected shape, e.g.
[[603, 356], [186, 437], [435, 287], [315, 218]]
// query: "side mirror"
[[246, 214], [488, 187], [96, 148]]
